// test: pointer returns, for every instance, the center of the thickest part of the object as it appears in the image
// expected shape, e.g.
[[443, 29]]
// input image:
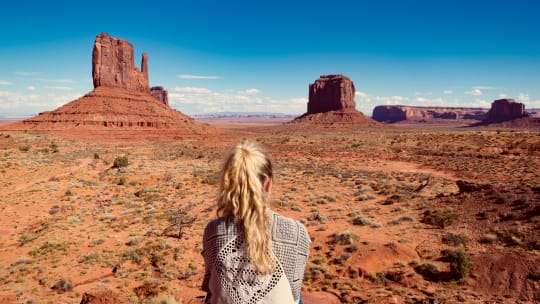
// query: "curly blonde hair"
[[245, 172]]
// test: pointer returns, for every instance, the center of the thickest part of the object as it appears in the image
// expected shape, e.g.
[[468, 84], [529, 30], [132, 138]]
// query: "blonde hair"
[[242, 196]]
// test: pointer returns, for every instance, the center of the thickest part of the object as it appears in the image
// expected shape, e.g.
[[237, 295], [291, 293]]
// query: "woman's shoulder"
[[285, 227], [220, 225]]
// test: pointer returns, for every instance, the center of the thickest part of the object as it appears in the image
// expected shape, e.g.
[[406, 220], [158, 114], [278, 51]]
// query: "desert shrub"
[[344, 238], [376, 278], [342, 259], [314, 273], [454, 239], [25, 148], [440, 217], [96, 156], [26, 238], [459, 264], [146, 290], [89, 258], [50, 246], [62, 286], [512, 236], [120, 161], [361, 221], [179, 220]]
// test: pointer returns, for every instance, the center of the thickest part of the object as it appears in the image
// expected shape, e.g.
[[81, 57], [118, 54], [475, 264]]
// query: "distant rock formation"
[[331, 103], [504, 110], [121, 98], [160, 94], [331, 93], [113, 65], [391, 114]]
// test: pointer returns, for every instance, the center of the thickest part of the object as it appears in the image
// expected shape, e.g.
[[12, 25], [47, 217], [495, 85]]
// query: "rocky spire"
[[113, 65]]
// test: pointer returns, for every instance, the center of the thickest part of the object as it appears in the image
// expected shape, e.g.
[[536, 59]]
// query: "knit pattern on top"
[[290, 245], [239, 277]]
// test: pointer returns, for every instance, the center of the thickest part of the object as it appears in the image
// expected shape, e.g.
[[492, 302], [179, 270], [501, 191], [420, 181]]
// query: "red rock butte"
[[121, 98], [331, 102]]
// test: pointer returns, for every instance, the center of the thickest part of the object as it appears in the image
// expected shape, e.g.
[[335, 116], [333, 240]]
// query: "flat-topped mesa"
[[503, 110], [331, 105], [160, 94], [396, 113], [331, 93], [113, 65]]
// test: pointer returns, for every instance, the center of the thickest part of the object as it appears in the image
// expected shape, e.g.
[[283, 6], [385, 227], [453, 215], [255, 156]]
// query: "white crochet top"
[[230, 276]]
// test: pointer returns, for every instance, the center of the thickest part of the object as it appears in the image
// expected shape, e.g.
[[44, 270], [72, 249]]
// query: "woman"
[[252, 254]]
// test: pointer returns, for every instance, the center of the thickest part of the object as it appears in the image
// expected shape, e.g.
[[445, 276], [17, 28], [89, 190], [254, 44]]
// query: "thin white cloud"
[[31, 88], [448, 92], [250, 91], [16, 103], [360, 94], [5, 82], [502, 95], [523, 97], [55, 80], [299, 101], [190, 76], [487, 88], [193, 90], [475, 92], [60, 88], [25, 73], [197, 100], [430, 101], [424, 93]]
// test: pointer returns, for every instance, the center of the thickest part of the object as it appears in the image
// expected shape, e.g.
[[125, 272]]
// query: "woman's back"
[[230, 268]]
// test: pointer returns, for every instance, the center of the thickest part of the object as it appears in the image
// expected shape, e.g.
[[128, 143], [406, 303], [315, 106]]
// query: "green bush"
[[459, 264], [121, 161], [440, 217]]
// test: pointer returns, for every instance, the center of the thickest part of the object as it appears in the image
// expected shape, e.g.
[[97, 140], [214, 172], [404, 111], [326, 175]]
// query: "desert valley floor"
[[396, 214]]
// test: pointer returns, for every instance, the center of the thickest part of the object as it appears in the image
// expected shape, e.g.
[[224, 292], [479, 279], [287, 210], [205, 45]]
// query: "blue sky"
[[253, 56]]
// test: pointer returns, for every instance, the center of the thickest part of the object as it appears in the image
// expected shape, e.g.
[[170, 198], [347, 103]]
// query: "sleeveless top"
[[230, 276]]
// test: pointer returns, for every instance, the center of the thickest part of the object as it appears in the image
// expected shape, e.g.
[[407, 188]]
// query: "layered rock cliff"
[[398, 113], [504, 110], [331, 93], [113, 65]]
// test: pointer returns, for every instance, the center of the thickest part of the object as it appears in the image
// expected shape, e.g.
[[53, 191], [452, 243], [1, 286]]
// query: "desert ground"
[[396, 214]]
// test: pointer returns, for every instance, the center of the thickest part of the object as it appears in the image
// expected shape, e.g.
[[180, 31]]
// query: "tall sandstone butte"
[[331, 93], [113, 65], [121, 98], [503, 110], [331, 104]]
